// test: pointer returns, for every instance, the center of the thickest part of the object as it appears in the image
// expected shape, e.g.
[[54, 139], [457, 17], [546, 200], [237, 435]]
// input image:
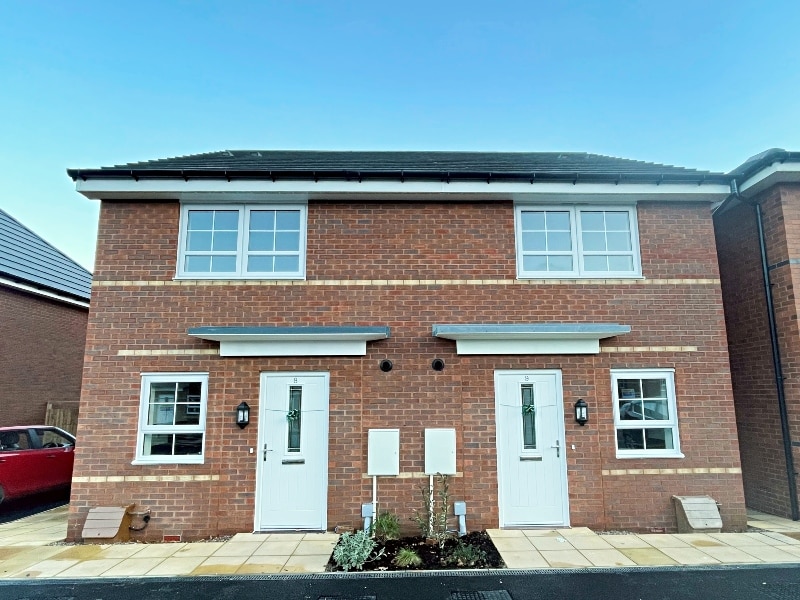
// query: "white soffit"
[[301, 190], [530, 338], [291, 341], [775, 173]]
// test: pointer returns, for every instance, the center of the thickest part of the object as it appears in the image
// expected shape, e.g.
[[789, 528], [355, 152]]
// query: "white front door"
[[531, 461], [292, 474]]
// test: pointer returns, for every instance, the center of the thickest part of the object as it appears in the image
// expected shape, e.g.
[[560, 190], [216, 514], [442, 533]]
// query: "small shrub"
[[465, 555], [387, 526], [432, 519], [355, 549], [406, 557]]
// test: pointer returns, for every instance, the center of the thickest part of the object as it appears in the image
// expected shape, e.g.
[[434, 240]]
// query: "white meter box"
[[383, 452], [440, 451]]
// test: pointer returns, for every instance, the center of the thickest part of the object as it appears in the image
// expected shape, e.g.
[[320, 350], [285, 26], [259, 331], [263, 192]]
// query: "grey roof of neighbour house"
[[27, 258], [433, 165], [762, 160]]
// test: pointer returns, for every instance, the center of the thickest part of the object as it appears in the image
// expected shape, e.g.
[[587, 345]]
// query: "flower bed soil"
[[432, 557]]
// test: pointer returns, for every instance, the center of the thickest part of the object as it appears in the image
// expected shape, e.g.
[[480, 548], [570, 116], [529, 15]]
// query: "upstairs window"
[[567, 241], [242, 241]]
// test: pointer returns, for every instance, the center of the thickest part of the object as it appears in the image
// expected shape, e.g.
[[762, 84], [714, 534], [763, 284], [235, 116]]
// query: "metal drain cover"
[[347, 598], [490, 595]]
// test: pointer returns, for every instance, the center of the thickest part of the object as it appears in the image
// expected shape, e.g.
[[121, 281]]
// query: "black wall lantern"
[[243, 415], [581, 412]]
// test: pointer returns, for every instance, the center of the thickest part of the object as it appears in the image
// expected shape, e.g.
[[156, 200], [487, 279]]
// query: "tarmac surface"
[[27, 551]]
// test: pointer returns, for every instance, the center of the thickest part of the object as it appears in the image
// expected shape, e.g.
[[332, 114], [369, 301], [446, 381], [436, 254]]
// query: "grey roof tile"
[[27, 258], [287, 163]]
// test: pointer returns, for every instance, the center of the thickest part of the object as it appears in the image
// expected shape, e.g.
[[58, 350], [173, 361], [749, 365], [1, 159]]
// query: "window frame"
[[143, 428], [578, 254], [672, 423], [243, 232]]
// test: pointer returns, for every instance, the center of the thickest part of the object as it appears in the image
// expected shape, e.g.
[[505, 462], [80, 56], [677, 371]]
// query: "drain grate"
[[490, 595], [347, 598]]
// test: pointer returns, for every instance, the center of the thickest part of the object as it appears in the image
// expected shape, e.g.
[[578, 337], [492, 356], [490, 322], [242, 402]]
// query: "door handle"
[[265, 452], [557, 446]]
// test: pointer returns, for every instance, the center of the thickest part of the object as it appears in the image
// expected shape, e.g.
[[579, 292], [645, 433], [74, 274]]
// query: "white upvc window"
[[574, 242], [172, 418], [242, 241], [645, 413]]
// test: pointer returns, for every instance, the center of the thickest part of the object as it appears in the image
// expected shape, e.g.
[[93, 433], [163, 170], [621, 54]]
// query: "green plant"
[[406, 557], [386, 526], [432, 519], [355, 549], [465, 555]]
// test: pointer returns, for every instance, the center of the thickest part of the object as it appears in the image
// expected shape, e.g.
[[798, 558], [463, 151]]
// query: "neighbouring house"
[[396, 314], [758, 241], [44, 303]]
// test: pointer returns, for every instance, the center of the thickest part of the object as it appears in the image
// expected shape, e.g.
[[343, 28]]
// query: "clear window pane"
[[188, 443], [293, 417], [659, 439], [618, 242], [223, 264], [618, 221], [262, 241], [287, 264], [559, 263], [288, 220], [630, 439], [656, 410], [287, 241], [52, 439], [534, 241], [593, 221], [533, 220], [201, 220], [631, 410], [629, 388], [262, 220], [594, 242], [158, 444], [654, 388], [534, 263], [620, 263], [557, 221], [595, 263], [198, 264], [198, 240], [260, 264], [225, 241], [528, 418], [560, 241], [227, 220]]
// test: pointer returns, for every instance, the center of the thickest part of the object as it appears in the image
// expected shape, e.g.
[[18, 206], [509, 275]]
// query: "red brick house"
[[758, 241], [480, 296], [44, 303]]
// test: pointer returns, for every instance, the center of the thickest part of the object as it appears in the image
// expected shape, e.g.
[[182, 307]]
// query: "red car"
[[34, 459]]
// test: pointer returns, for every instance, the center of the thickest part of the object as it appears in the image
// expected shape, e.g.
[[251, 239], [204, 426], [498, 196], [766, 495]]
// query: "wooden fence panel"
[[63, 416]]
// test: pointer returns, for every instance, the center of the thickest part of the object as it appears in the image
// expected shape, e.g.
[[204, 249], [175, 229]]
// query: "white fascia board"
[[273, 347], [292, 343], [301, 190], [44, 293], [529, 346], [769, 176]]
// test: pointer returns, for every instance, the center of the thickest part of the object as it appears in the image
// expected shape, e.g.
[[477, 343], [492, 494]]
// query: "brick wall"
[[753, 373], [42, 348], [365, 262]]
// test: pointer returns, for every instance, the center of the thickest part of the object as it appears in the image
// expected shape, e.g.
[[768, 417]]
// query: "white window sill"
[[198, 460], [641, 455], [228, 277], [599, 277]]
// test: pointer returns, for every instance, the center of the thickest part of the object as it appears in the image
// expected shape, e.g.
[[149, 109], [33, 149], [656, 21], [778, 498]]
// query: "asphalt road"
[[741, 583]]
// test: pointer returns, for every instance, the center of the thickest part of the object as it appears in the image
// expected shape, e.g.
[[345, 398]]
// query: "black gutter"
[[776, 362], [398, 175]]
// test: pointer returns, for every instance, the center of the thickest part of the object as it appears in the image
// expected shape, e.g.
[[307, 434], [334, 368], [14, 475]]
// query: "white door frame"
[[561, 434], [262, 436]]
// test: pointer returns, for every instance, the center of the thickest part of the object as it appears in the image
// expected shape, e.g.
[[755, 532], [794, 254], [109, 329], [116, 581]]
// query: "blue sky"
[[701, 84]]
